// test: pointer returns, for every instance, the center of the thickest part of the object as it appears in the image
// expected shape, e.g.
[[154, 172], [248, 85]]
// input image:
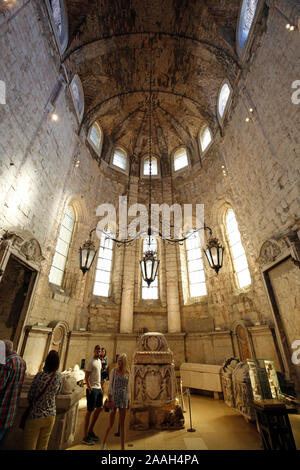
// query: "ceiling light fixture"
[[290, 27]]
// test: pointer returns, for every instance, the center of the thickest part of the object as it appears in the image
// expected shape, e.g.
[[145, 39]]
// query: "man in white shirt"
[[94, 396]]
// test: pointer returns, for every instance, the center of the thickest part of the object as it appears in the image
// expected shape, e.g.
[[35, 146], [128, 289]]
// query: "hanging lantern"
[[214, 254], [87, 255], [149, 266]]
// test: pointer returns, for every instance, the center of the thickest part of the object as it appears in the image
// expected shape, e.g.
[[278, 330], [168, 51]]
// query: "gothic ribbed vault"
[[189, 45]]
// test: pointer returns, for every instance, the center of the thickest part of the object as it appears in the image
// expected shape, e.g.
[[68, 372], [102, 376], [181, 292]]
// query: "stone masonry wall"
[[37, 165], [261, 160]]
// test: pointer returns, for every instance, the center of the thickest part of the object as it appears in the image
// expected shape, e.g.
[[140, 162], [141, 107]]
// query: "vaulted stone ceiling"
[[189, 46]]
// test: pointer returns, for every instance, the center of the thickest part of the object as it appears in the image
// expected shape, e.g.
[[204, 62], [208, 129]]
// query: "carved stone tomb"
[[153, 402]]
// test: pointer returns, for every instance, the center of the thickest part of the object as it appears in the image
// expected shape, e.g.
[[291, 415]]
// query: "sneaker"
[[93, 437], [88, 441]]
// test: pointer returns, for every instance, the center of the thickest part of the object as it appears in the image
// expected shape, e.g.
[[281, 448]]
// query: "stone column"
[[126, 319], [173, 302], [173, 307]]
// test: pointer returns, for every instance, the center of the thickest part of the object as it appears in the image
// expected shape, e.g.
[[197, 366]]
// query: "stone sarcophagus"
[[153, 393], [202, 377], [227, 385], [153, 372], [242, 391]]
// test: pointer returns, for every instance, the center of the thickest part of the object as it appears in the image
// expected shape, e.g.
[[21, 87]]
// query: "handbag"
[[107, 405], [27, 410]]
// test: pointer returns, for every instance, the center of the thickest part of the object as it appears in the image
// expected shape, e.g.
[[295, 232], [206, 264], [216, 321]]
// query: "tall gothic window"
[[237, 250], [104, 267], [95, 137], [224, 96], [62, 247], [180, 159], [195, 266], [205, 138], [60, 22], [246, 19], [120, 159], [146, 166], [150, 293], [78, 96]]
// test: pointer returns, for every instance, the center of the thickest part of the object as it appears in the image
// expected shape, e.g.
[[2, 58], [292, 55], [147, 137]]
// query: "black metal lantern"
[[149, 266], [214, 254], [87, 254]]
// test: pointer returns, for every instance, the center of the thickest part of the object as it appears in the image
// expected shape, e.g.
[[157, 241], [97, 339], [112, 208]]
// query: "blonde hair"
[[124, 362]]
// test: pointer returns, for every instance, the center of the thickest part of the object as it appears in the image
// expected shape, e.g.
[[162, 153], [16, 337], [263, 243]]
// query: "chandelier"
[[149, 263]]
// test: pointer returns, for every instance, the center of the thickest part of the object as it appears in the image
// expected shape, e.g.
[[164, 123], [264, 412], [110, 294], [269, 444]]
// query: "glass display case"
[[264, 382]]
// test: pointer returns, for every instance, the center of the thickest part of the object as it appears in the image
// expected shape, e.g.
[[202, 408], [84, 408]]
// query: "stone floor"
[[217, 427]]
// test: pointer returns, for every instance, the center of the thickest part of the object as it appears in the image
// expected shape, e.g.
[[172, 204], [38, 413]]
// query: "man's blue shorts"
[[94, 399]]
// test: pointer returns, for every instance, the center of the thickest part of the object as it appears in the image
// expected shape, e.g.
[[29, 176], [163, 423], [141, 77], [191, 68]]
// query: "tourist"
[[42, 401], [104, 368], [12, 374], [94, 396], [118, 396]]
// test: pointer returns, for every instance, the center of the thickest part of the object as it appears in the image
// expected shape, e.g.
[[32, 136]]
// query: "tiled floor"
[[217, 427]]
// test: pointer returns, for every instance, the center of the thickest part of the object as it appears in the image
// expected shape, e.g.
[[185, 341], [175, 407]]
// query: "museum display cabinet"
[[271, 406], [264, 382]]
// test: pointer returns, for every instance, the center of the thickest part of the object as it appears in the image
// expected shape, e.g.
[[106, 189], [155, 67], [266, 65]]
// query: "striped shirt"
[[12, 375]]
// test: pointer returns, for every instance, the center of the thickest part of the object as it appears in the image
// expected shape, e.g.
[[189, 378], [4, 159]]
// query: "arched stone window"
[[180, 159], [223, 100], [197, 284], [78, 96], [237, 250], [246, 18], [146, 166], [95, 137], [205, 138], [62, 247], [104, 267], [59, 20], [120, 159], [150, 293]]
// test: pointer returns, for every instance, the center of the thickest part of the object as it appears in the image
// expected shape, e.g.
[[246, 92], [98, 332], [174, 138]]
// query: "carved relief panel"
[[153, 372]]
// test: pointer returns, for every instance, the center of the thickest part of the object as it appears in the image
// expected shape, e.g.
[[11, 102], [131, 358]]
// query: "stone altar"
[[153, 392]]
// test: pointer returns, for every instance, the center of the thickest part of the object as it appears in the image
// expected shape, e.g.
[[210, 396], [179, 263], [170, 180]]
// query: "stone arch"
[[59, 340], [20, 264], [242, 339], [77, 201], [24, 245], [219, 208], [217, 218]]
